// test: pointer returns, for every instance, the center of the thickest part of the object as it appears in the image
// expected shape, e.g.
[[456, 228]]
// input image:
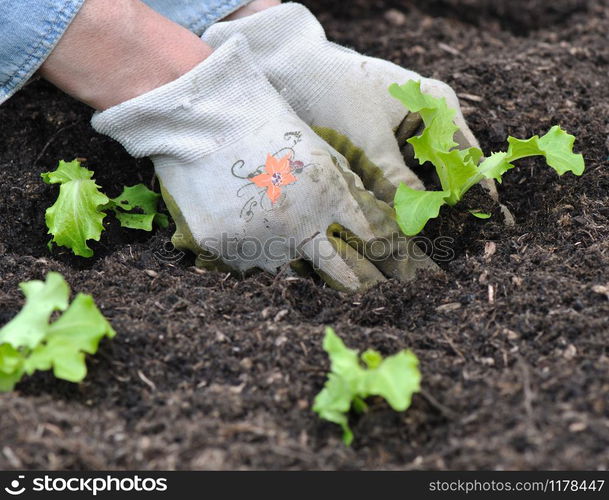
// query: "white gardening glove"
[[250, 185], [342, 94]]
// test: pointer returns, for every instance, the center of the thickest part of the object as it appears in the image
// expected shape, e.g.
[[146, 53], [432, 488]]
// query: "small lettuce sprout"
[[31, 342], [78, 213], [353, 378]]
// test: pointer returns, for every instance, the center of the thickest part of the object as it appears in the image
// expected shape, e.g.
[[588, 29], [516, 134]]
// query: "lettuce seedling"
[[30, 342], [353, 378], [77, 215], [460, 169]]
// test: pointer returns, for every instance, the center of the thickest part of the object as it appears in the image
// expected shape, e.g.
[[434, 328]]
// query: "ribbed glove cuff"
[[291, 46], [208, 108]]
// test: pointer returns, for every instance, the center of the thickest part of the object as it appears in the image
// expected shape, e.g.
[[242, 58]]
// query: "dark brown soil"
[[209, 371]]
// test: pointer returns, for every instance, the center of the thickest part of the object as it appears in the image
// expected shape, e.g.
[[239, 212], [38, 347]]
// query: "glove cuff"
[[213, 105], [291, 46]]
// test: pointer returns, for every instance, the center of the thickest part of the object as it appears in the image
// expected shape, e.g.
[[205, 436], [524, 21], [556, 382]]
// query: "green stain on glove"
[[184, 240], [370, 174]]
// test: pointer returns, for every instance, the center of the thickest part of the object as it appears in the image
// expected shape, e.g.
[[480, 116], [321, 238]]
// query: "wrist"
[[199, 113], [115, 51], [253, 7]]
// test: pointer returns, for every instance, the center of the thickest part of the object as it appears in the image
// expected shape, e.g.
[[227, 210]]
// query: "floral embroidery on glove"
[[277, 173], [267, 180]]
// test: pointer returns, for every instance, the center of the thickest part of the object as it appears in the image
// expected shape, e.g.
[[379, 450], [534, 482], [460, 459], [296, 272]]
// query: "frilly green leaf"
[[415, 208], [77, 215]]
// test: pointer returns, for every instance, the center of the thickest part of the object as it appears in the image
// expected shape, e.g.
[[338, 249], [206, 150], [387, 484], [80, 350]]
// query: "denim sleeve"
[[196, 15], [29, 30]]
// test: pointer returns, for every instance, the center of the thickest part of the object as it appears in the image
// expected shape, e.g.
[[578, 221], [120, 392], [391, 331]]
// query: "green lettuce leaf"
[[415, 208], [11, 367], [480, 215], [493, 168], [42, 298], [457, 168], [144, 202], [333, 404], [437, 116], [556, 146], [394, 378], [78, 331], [29, 342], [77, 215]]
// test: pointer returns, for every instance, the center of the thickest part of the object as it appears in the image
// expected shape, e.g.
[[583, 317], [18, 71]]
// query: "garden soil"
[[210, 371]]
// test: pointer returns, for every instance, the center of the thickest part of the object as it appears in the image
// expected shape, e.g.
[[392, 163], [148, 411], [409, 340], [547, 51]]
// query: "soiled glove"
[[250, 185], [342, 94]]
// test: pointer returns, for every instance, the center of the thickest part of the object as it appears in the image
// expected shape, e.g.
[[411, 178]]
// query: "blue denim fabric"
[[30, 29], [196, 15], [28, 33]]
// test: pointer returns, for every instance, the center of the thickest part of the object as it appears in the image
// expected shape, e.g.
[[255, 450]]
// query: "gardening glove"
[[341, 94], [250, 185]]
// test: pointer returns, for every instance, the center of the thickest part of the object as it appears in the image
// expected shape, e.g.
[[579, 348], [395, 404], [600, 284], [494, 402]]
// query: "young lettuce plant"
[[30, 342], [353, 378], [460, 169], [78, 213]]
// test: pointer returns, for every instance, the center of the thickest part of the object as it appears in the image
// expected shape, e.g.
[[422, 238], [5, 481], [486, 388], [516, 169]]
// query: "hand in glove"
[[342, 94], [250, 185]]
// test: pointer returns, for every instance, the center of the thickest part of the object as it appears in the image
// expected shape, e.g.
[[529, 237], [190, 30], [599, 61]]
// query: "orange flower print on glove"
[[277, 174]]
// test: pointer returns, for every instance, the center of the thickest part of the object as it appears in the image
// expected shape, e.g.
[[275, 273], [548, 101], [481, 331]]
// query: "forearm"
[[115, 51]]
